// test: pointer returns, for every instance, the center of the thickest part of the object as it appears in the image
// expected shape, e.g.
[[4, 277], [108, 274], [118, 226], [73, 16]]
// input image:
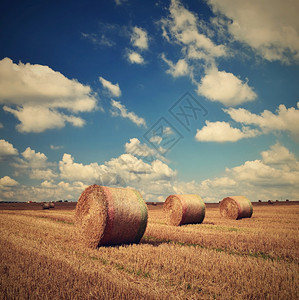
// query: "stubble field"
[[258, 258]]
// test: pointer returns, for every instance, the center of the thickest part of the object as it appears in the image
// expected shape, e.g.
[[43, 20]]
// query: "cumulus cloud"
[[39, 118], [225, 88], [77, 171], [119, 109], [134, 57], [123, 170], [139, 38], [285, 119], [278, 155], [271, 177], [270, 27], [199, 55], [136, 148], [7, 182], [29, 90], [181, 68], [7, 149], [223, 132], [113, 89], [35, 165], [183, 27], [46, 191]]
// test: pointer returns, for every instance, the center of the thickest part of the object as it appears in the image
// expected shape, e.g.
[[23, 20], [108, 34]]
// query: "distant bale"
[[46, 205], [270, 202], [110, 216], [236, 207], [184, 209], [52, 205]]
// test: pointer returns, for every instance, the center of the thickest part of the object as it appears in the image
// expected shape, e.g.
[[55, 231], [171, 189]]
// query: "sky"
[[167, 97]]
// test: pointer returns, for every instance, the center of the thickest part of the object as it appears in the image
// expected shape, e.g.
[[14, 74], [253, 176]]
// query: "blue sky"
[[163, 96]]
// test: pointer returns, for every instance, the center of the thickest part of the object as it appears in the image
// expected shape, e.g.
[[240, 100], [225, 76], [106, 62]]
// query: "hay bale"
[[184, 209], [52, 205], [46, 205], [236, 207], [110, 216]]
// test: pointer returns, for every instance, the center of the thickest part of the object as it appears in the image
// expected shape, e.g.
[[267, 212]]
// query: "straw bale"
[[46, 205], [110, 216], [236, 207], [184, 209]]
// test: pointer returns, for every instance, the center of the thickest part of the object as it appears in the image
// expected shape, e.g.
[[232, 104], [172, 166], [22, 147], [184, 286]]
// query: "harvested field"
[[256, 258]]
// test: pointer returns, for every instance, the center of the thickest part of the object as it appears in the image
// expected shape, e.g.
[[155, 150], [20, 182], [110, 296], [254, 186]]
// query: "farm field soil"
[[257, 258]]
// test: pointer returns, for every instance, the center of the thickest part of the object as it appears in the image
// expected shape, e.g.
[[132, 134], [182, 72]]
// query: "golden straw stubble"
[[184, 209], [236, 207]]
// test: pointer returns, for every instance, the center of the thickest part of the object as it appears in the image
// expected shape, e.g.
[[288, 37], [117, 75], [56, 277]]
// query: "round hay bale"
[[110, 216], [46, 205], [52, 205], [236, 207], [184, 209]]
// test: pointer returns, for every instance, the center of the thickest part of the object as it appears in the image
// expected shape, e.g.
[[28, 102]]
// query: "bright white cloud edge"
[[28, 90]]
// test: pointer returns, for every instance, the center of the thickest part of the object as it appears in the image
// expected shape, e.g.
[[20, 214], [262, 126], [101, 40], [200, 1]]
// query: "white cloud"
[[77, 171], [270, 27], [181, 68], [7, 182], [139, 38], [35, 165], [272, 177], [46, 191], [280, 156], [119, 109], [199, 55], [37, 159], [225, 87], [156, 139], [121, 171], [223, 132], [268, 176], [7, 149], [113, 89], [53, 147], [40, 91], [167, 131], [135, 58], [126, 170], [286, 119], [48, 184], [134, 147], [182, 26], [39, 118]]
